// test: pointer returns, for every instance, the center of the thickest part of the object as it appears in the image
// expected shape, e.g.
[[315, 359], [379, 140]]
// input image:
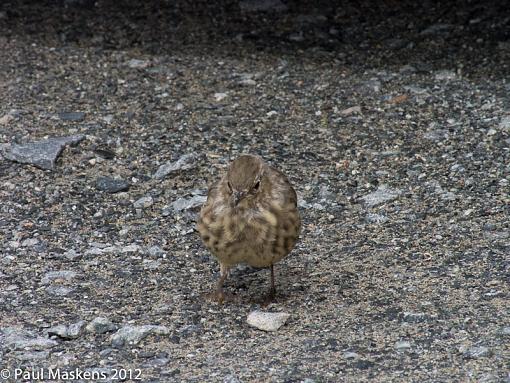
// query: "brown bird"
[[250, 216]]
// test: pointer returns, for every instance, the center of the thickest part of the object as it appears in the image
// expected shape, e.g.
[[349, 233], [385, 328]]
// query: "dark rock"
[[72, 116], [111, 185], [42, 154]]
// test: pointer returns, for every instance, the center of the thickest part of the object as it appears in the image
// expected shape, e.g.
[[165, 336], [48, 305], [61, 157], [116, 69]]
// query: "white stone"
[[267, 321]]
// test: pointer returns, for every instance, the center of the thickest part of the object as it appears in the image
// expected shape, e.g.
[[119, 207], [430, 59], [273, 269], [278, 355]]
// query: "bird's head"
[[244, 179]]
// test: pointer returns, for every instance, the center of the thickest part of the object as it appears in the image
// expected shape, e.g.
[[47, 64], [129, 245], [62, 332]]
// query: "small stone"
[[476, 352], [111, 185], [267, 321], [72, 116], [376, 218], [248, 82], [186, 162], [59, 291], [138, 64], [352, 110], [444, 75], [505, 123], [51, 276], [101, 325], [491, 132], [42, 154], [262, 6], [143, 202], [271, 113], [220, 96], [188, 203], [156, 251], [72, 331], [134, 334], [71, 254], [4, 120], [505, 331], [15, 338], [350, 355], [382, 195], [402, 345], [29, 242]]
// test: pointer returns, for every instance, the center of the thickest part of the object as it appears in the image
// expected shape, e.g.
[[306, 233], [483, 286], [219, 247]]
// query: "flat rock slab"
[[267, 321], [134, 334], [111, 185], [187, 161], [16, 338], [188, 203], [42, 154], [382, 195]]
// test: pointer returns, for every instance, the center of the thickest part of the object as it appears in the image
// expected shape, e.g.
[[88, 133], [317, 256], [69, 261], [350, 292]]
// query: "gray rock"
[[267, 321], [16, 338], [382, 195], [143, 202], [188, 203], [111, 185], [72, 116], [51, 276], [156, 251], [262, 6], [42, 154], [476, 352], [376, 218], [29, 356], [231, 379], [350, 355], [134, 334], [352, 110], [186, 162], [72, 331], [402, 345], [504, 123], [444, 75], [101, 325], [59, 291], [138, 64], [71, 254], [436, 29]]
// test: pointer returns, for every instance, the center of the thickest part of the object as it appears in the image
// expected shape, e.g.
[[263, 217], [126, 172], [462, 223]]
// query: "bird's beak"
[[237, 196]]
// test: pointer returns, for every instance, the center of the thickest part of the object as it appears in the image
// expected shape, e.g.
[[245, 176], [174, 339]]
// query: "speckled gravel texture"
[[406, 100]]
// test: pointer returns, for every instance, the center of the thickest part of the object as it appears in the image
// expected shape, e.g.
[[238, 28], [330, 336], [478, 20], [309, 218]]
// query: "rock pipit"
[[250, 216]]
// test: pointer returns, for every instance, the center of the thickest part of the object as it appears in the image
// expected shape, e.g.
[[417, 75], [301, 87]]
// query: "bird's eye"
[[256, 186]]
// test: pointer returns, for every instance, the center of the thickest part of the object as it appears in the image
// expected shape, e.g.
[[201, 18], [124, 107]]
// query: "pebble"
[[42, 154], [382, 195], [505, 123], [15, 338], [402, 345], [51, 276], [72, 331], [59, 291], [143, 202], [4, 120], [376, 218], [101, 325], [476, 352], [188, 203], [186, 162], [138, 64], [72, 116], [134, 334], [267, 321], [443, 75], [262, 6], [350, 355], [352, 110], [111, 185], [220, 96]]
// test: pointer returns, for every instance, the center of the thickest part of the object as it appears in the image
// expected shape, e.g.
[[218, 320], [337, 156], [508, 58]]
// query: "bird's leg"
[[272, 291], [220, 295]]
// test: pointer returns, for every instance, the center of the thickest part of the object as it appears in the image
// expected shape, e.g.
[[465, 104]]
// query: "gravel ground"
[[392, 120]]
